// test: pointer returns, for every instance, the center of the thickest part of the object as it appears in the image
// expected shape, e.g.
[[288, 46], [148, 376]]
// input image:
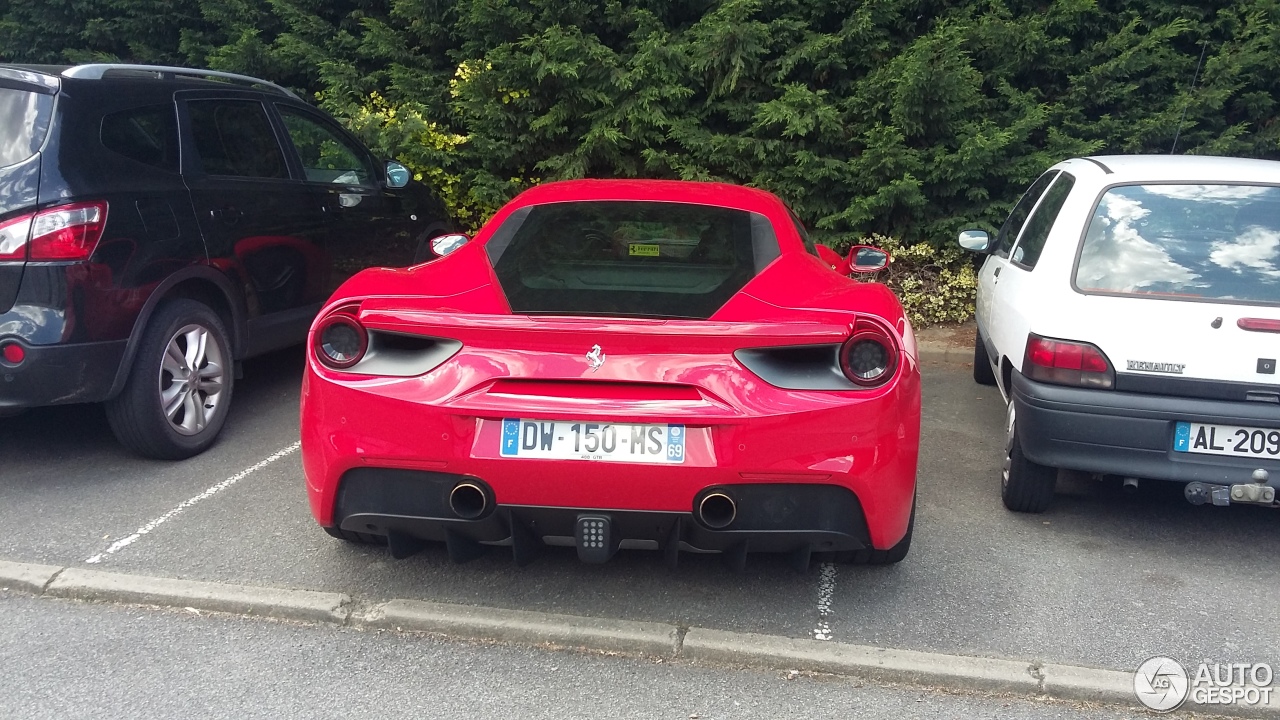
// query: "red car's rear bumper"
[[835, 470]]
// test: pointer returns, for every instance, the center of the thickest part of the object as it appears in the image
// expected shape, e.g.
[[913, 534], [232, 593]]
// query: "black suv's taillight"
[[869, 357], [340, 340], [1067, 362]]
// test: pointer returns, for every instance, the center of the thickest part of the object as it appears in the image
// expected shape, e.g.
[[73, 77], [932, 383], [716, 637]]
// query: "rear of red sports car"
[[617, 364]]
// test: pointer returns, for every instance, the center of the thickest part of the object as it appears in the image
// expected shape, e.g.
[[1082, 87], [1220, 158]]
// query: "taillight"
[[1065, 362], [67, 232], [13, 237], [340, 339], [870, 356]]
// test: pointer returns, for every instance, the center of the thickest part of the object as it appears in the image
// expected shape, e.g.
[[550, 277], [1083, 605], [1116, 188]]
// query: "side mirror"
[[867, 259], [975, 240], [832, 259], [397, 175], [445, 244]]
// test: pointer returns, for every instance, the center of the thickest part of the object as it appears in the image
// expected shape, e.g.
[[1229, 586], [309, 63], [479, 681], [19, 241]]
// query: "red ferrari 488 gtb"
[[618, 364]]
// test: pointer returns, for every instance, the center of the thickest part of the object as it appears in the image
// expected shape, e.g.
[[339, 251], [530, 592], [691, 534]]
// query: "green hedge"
[[907, 118]]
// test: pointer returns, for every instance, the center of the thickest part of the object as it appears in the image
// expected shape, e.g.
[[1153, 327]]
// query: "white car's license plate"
[[608, 442], [1189, 437]]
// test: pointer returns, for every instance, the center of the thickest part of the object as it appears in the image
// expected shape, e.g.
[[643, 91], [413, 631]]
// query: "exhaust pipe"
[[468, 501], [717, 511], [1130, 486]]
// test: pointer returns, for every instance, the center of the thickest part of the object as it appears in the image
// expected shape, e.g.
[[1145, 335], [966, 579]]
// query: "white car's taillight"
[[1066, 362]]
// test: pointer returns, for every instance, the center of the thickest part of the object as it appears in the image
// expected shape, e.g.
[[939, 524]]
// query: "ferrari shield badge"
[[595, 358]]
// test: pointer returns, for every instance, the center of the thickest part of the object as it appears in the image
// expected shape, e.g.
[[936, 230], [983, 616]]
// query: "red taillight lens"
[[13, 353], [340, 340], [1258, 325], [13, 237], [870, 356], [67, 232], [1063, 362]]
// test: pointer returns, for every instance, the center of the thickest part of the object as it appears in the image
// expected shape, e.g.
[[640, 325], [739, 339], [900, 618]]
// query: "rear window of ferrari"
[[1197, 242], [646, 259]]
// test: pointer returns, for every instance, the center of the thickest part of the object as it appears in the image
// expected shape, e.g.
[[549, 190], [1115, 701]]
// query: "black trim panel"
[[1191, 387], [1120, 433]]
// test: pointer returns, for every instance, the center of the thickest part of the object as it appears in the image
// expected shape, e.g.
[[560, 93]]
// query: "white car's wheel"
[[982, 373], [1024, 486]]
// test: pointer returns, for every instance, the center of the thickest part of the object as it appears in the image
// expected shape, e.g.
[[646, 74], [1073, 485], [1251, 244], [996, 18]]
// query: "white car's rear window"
[[1198, 242]]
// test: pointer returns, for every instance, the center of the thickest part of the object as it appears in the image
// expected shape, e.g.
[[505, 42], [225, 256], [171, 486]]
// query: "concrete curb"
[[285, 604], [26, 577], [911, 667], [899, 666], [528, 628], [941, 352]]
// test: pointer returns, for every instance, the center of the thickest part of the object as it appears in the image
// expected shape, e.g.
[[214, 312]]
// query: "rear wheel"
[[1024, 486], [358, 538], [982, 372], [176, 398]]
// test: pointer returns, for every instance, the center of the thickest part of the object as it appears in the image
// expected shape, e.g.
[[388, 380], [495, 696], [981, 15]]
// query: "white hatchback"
[[1129, 311]]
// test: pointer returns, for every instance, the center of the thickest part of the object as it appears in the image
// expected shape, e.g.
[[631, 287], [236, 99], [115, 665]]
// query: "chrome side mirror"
[[446, 244], [975, 240], [867, 259], [397, 175]]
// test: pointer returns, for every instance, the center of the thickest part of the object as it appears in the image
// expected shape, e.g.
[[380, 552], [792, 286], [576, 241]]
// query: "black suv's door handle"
[[229, 214]]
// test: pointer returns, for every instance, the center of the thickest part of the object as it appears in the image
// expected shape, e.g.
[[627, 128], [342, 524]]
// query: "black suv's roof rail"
[[96, 71]]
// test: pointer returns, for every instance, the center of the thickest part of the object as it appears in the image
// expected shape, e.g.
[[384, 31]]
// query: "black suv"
[[158, 225]]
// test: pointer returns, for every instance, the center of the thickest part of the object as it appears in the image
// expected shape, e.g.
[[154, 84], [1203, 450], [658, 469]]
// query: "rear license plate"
[[1233, 440], [606, 442]]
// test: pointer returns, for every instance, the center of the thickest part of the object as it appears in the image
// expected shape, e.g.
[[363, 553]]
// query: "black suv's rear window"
[[651, 259], [148, 135], [24, 122], [1198, 242]]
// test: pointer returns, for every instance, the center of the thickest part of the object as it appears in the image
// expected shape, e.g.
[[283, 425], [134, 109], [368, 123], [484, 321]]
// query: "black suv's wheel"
[[982, 373], [179, 389], [893, 555], [1024, 486]]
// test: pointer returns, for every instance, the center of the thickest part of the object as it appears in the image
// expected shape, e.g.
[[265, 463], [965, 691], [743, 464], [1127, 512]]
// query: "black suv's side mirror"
[[397, 175]]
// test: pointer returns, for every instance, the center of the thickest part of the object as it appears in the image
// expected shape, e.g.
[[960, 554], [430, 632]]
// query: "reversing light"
[[340, 341], [1065, 362], [870, 355]]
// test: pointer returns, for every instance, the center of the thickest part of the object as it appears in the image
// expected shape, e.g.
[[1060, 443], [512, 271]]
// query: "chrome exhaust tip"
[[468, 501], [1130, 486], [717, 511]]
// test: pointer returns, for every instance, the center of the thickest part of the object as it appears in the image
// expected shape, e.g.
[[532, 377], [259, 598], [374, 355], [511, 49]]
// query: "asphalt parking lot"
[[1100, 580]]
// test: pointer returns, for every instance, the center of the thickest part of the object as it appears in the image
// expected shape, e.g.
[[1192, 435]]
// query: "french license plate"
[[1206, 439], [607, 442]]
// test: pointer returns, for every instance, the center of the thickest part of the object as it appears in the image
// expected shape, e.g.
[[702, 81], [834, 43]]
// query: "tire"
[[1024, 486], [198, 397], [891, 556], [357, 538], [982, 372]]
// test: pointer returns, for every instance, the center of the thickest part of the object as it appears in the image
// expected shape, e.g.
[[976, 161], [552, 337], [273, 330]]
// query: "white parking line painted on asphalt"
[[826, 590], [127, 541]]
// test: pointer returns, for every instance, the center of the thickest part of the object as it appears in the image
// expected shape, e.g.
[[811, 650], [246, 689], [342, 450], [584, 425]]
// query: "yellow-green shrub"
[[935, 285]]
